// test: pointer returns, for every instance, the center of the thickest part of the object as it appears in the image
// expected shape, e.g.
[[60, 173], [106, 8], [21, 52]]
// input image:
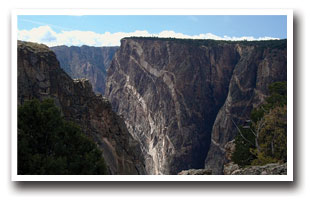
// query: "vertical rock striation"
[[39, 76], [257, 68], [86, 62], [178, 97], [169, 94]]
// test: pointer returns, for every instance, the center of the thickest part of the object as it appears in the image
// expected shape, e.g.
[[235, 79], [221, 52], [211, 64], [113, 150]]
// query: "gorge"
[[170, 104], [182, 99]]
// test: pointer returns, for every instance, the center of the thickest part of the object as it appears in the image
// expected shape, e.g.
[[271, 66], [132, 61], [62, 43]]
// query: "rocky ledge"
[[234, 169], [268, 169], [196, 172]]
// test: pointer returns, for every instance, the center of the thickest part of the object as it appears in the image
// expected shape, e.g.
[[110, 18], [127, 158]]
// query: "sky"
[[107, 30]]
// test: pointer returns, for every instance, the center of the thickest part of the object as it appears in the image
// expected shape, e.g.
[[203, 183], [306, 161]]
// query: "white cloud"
[[46, 35]]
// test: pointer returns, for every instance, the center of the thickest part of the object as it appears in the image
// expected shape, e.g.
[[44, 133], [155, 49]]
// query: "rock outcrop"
[[86, 62], [181, 98], [40, 77], [230, 167], [234, 169], [269, 169], [196, 172]]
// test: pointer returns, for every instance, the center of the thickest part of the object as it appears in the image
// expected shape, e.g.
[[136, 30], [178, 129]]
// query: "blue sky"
[[57, 29]]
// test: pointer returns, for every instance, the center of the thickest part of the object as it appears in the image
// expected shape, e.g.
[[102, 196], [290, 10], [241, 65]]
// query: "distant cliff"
[[86, 62], [181, 98], [40, 77]]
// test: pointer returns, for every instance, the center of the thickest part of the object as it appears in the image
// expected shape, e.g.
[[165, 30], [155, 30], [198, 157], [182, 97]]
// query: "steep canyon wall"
[[40, 77], [86, 62], [181, 98]]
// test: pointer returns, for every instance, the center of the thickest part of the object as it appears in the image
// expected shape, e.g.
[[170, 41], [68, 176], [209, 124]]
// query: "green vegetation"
[[264, 140], [273, 44], [245, 143], [49, 145], [272, 137]]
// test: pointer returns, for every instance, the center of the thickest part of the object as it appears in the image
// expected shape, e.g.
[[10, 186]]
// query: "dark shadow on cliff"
[[228, 187]]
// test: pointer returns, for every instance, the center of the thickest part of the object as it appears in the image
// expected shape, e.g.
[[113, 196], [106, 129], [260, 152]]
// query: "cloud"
[[45, 34]]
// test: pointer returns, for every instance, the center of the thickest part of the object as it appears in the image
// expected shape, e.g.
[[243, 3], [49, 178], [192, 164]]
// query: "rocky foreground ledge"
[[196, 172], [233, 169], [269, 169]]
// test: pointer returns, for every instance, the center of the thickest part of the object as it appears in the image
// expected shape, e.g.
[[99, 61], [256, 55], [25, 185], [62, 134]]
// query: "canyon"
[[183, 99], [163, 105]]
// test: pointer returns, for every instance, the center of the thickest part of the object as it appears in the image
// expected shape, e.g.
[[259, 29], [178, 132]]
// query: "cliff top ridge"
[[33, 47], [278, 44]]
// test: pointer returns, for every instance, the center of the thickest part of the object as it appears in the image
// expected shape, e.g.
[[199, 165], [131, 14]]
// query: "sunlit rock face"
[[86, 62], [178, 97]]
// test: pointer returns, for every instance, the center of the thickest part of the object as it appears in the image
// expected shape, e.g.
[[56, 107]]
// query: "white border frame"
[[287, 12]]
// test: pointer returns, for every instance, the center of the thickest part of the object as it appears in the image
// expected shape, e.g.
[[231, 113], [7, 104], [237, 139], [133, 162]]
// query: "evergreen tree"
[[244, 142], [268, 129], [272, 138], [47, 144]]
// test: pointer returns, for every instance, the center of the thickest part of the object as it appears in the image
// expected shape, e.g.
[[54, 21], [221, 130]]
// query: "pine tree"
[[264, 141]]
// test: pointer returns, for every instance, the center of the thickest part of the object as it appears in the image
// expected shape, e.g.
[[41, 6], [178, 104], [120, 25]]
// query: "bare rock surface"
[[234, 169], [269, 169], [181, 98], [195, 172], [40, 77], [86, 62]]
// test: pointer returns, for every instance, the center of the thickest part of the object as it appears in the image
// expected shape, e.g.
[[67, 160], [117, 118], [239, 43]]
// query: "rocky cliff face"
[[39, 76], [86, 62], [257, 68], [178, 97]]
